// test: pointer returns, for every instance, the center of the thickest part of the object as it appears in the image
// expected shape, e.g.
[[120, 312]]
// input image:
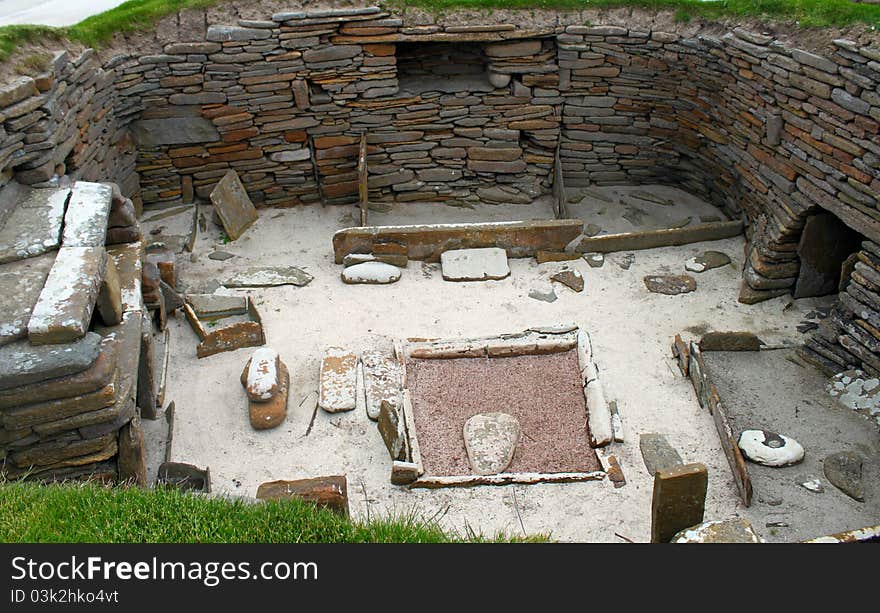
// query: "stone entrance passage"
[[825, 246]]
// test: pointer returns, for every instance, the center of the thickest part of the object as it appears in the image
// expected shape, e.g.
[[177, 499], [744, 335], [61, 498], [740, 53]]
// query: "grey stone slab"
[[474, 264], [269, 277], [174, 131], [215, 305], [22, 363], [34, 226], [233, 205], [657, 453], [64, 309], [20, 285], [88, 210]]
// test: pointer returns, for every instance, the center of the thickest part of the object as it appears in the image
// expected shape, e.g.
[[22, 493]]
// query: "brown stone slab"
[[729, 444], [186, 477], [633, 241], [20, 285], [271, 413], [64, 309], [132, 462], [56, 452], [84, 421], [730, 341], [327, 492], [109, 303], [54, 410], [678, 500], [681, 353], [427, 242], [392, 430], [233, 205], [243, 334]]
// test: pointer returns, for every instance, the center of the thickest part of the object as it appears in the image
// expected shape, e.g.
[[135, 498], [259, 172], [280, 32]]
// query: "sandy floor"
[[631, 333]]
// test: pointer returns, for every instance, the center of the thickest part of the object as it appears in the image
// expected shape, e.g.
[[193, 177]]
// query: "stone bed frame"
[[534, 341]]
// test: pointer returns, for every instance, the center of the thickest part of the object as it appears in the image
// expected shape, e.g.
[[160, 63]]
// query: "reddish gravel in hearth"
[[542, 391]]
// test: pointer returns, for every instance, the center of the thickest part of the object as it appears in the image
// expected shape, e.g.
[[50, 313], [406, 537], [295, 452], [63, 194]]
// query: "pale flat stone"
[[270, 277], [490, 440], [376, 273], [20, 285], [381, 382], [338, 384], [729, 531], [22, 363], [233, 205], [64, 309], [770, 448], [217, 305], [127, 258], [474, 264], [260, 375], [85, 222], [707, 261], [34, 226]]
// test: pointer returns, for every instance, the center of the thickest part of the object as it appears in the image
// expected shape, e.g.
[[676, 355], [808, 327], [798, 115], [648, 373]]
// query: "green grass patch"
[[88, 513], [141, 15]]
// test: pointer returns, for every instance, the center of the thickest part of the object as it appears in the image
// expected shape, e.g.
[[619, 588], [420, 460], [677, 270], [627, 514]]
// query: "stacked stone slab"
[[850, 336], [68, 387]]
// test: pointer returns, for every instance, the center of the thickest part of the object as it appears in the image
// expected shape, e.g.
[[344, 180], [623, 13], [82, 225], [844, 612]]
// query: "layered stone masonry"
[[759, 129]]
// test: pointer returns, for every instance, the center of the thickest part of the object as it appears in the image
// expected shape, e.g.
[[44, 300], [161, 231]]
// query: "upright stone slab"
[[22, 363], [338, 380], [64, 308], [20, 285], [474, 264], [34, 226], [85, 222], [678, 501], [233, 205], [381, 382], [128, 266], [657, 453], [109, 303], [131, 461]]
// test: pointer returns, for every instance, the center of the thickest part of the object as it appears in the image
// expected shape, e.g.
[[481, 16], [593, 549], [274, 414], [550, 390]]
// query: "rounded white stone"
[[770, 449], [371, 272]]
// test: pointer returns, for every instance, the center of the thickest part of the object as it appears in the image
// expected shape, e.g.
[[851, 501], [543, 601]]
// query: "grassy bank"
[[31, 513], [139, 15]]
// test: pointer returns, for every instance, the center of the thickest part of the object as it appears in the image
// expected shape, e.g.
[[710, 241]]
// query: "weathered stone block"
[[678, 500]]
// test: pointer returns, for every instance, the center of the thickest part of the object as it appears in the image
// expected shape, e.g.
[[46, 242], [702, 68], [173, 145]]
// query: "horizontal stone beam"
[[633, 241]]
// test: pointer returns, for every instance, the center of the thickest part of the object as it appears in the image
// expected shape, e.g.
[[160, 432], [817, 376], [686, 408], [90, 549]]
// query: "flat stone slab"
[[64, 309], [769, 448], [22, 363], [129, 265], [671, 285], [174, 131], [216, 305], [474, 264], [381, 382], [85, 222], [844, 471], [728, 531], [707, 261], [678, 500], [327, 492], [657, 453], [233, 205], [20, 285], [338, 383], [572, 279], [270, 277], [544, 295], [371, 273], [34, 226], [490, 440]]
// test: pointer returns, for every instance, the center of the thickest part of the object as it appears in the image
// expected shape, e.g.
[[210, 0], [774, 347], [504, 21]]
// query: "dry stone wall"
[[764, 131]]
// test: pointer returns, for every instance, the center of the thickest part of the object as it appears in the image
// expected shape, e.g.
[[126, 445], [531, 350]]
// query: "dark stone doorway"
[[825, 245]]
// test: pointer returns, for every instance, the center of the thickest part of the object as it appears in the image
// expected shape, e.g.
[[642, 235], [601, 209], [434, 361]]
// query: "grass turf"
[[88, 513], [139, 15]]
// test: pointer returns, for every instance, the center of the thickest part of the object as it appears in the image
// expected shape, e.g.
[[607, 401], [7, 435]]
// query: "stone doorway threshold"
[[541, 377]]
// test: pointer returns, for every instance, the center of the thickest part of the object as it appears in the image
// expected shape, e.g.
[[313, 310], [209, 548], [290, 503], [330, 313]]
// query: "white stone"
[[377, 273], [770, 449], [490, 440], [474, 264], [262, 377]]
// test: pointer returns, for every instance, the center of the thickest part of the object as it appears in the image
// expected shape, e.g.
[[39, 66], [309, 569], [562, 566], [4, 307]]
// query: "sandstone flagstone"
[[719, 531], [267, 414], [88, 210], [34, 226], [338, 382], [260, 376], [572, 279], [381, 382], [22, 363], [371, 273], [20, 285], [326, 492], [707, 261], [64, 309], [269, 277], [844, 471], [474, 264], [670, 285], [233, 205]]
